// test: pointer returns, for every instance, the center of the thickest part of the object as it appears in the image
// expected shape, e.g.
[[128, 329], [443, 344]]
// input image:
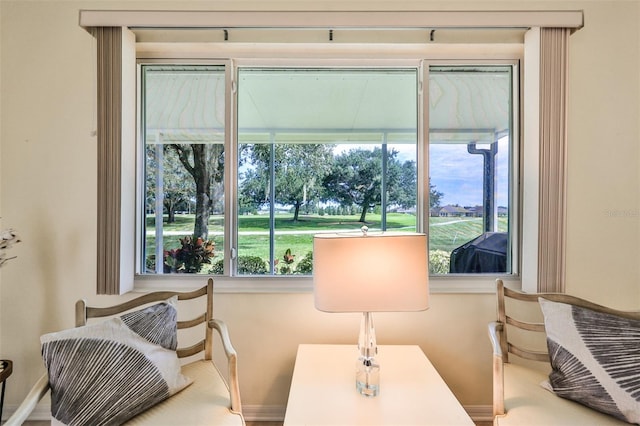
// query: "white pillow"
[[106, 373], [595, 358]]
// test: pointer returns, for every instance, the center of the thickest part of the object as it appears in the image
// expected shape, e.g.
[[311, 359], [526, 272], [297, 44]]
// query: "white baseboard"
[[275, 413], [253, 413]]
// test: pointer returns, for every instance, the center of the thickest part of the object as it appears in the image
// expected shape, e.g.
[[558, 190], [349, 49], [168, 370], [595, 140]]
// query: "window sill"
[[296, 284]]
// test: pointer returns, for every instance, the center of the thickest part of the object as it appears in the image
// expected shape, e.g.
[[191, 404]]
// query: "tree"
[[406, 191], [176, 185], [299, 171], [205, 163], [434, 196], [253, 191], [356, 178]]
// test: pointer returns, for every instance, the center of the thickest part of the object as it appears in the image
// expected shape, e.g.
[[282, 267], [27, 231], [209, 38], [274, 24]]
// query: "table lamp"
[[370, 272]]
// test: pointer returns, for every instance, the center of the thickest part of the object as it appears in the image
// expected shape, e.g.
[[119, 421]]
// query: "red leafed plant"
[[190, 257]]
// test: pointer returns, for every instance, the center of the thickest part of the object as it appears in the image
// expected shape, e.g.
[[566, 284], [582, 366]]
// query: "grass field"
[[446, 233], [253, 238]]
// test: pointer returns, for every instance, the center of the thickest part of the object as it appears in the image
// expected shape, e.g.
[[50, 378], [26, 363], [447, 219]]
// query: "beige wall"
[[48, 181]]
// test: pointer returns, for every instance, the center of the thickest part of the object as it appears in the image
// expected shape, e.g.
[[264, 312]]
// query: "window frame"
[[140, 149], [515, 175], [294, 283]]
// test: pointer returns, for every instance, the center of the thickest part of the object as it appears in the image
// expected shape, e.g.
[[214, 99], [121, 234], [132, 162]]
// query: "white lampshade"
[[377, 272]]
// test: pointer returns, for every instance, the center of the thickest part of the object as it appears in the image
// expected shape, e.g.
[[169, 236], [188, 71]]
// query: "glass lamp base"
[[367, 377]]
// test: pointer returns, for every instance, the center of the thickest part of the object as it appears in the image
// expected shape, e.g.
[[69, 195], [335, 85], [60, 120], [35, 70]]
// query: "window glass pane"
[[183, 132], [321, 150], [470, 145]]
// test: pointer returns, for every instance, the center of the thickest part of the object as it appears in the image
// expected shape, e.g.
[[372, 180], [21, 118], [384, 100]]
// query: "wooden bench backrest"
[[84, 312], [512, 318]]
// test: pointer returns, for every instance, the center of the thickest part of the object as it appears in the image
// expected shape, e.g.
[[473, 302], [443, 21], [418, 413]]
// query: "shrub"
[[251, 265], [305, 265], [246, 265], [439, 262], [218, 267]]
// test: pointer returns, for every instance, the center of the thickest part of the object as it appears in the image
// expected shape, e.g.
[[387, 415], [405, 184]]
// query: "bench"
[[521, 363], [210, 399]]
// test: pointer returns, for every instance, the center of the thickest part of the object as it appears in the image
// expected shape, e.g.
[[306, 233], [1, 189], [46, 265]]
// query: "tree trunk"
[[171, 214], [208, 162], [202, 179], [363, 215], [296, 211]]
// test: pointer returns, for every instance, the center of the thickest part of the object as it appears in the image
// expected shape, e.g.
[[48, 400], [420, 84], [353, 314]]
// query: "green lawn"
[[447, 233], [444, 233]]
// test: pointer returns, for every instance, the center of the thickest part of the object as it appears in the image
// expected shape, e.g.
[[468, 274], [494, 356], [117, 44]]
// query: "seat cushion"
[[527, 403], [206, 401]]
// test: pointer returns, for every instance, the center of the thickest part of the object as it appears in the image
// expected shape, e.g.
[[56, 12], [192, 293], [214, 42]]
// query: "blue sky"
[[458, 174]]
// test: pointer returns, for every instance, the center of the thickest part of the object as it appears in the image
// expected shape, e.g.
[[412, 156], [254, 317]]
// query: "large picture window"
[[324, 150]]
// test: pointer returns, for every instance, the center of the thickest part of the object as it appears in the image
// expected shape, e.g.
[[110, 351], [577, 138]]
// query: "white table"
[[323, 390]]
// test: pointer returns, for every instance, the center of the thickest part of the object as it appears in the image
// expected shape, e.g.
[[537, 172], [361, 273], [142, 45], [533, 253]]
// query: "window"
[[471, 168], [324, 150], [183, 134], [321, 150], [540, 38], [336, 147]]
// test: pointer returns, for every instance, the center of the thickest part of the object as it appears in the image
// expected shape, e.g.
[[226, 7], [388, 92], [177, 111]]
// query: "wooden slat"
[[208, 341], [192, 323], [97, 312], [527, 354], [190, 350], [518, 295], [502, 319], [523, 325], [84, 312], [504, 293]]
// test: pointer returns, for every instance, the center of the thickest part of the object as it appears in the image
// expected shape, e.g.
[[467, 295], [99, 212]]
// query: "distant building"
[[453, 211], [469, 211], [475, 211]]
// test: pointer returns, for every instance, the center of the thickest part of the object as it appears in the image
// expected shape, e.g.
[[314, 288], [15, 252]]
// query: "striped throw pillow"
[[107, 372], [595, 358]]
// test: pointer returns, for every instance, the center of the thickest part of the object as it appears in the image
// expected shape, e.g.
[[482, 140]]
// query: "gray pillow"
[[595, 358], [157, 323], [105, 373]]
